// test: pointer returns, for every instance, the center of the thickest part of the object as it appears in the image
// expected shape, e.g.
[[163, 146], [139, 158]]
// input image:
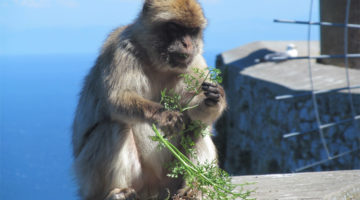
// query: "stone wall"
[[250, 134]]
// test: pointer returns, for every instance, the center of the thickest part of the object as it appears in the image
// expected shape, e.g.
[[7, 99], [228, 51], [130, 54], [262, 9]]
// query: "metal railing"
[[319, 126]]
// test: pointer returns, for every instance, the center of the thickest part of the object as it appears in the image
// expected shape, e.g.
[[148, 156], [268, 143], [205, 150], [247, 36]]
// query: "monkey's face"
[[171, 32], [177, 45]]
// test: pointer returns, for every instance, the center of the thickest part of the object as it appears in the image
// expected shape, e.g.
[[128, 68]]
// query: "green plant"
[[207, 178]]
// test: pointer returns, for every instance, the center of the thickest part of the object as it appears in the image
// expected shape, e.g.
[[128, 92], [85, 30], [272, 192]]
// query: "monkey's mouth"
[[181, 60]]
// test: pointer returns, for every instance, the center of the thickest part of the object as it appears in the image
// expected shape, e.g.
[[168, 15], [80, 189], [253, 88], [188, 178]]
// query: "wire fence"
[[314, 93]]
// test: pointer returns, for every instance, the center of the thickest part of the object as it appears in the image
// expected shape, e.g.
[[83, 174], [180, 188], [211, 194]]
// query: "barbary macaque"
[[114, 158]]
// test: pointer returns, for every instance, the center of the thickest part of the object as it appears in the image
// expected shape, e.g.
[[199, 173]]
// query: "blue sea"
[[38, 96]]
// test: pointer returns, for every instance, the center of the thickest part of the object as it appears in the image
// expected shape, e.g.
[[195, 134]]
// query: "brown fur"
[[187, 12], [113, 155]]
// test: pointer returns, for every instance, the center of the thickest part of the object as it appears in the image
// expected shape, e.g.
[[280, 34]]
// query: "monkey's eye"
[[194, 31], [171, 26]]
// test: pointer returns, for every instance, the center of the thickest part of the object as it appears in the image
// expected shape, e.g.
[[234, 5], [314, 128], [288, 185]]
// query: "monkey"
[[114, 158]]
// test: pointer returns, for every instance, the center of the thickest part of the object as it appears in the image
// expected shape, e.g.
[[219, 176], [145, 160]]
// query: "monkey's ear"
[[147, 5]]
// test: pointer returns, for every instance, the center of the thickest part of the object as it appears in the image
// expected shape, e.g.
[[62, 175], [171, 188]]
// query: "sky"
[[44, 88], [37, 27]]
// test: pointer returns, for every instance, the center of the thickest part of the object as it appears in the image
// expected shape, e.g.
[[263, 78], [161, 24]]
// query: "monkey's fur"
[[113, 155]]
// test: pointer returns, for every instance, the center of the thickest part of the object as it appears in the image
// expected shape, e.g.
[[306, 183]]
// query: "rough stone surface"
[[250, 139], [337, 185]]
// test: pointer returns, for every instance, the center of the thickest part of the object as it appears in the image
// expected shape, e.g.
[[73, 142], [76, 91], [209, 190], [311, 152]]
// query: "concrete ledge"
[[334, 185]]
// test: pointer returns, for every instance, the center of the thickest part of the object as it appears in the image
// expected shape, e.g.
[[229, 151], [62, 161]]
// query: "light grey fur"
[[111, 144]]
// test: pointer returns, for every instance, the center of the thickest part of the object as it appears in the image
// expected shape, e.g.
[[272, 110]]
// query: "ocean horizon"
[[38, 97]]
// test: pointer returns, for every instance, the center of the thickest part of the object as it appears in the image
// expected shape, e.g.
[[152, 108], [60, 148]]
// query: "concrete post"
[[332, 38]]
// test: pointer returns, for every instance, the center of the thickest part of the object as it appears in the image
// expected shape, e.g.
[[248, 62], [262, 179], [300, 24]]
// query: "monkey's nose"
[[187, 43]]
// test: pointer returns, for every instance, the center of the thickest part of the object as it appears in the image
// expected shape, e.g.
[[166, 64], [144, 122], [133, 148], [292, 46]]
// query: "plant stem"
[[175, 151], [191, 167]]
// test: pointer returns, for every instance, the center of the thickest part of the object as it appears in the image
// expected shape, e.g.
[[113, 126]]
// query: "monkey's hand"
[[211, 103], [170, 122], [213, 93]]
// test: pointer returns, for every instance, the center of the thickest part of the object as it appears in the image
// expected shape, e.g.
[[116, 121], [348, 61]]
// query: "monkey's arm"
[[130, 107], [124, 86]]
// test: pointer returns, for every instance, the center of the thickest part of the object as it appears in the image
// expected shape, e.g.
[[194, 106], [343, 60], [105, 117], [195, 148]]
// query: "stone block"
[[250, 134]]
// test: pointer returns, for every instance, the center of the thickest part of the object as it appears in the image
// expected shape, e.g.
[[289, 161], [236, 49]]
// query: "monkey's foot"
[[179, 197], [186, 194], [122, 194]]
